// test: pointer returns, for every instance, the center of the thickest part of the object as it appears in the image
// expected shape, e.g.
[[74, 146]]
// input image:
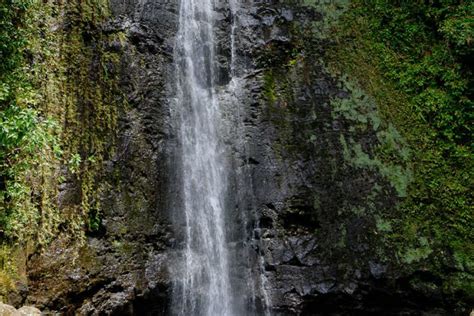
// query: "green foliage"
[[425, 48], [94, 220], [269, 88], [76, 76], [12, 42], [27, 139], [331, 11], [422, 251], [8, 271], [391, 155], [75, 163], [26, 143], [93, 104], [51, 74], [383, 225], [415, 59]]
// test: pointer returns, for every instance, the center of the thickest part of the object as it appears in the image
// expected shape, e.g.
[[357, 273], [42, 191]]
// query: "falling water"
[[203, 286]]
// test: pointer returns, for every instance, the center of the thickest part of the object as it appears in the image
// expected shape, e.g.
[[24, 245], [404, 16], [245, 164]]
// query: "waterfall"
[[203, 284]]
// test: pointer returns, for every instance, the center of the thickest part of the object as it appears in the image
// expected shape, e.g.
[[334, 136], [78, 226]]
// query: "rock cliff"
[[316, 194]]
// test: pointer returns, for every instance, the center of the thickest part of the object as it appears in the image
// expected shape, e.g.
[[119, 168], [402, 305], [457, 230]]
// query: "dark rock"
[[377, 270]]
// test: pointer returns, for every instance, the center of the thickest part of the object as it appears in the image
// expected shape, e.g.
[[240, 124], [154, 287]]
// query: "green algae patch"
[[390, 155]]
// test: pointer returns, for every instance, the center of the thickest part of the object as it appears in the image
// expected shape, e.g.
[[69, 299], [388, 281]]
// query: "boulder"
[[7, 310], [29, 311]]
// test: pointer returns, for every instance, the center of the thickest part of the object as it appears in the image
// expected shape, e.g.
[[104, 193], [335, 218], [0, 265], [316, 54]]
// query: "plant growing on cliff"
[[27, 144], [415, 59], [26, 138]]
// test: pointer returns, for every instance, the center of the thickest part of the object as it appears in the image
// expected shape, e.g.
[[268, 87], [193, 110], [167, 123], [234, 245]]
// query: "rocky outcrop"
[[324, 194], [8, 310], [120, 268]]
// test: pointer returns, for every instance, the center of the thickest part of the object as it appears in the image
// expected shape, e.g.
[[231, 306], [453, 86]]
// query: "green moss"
[[91, 105], [460, 282], [398, 64], [390, 156], [343, 238], [68, 83], [8, 271], [435, 175], [276, 93], [411, 255], [397, 175], [269, 88], [331, 12], [124, 248], [384, 226]]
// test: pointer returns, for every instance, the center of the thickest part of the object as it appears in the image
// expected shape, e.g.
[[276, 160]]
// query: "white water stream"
[[204, 286], [215, 274]]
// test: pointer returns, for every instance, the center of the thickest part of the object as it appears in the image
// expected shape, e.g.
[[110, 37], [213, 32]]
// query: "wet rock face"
[[315, 206], [121, 268]]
